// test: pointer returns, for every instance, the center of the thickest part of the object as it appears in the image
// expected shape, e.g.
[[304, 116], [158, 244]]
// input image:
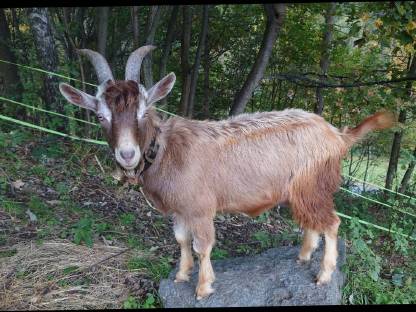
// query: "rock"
[[272, 278]]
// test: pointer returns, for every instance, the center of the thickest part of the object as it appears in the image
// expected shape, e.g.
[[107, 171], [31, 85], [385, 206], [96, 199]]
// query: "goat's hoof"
[[302, 261], [323, 278], [204, 291], [180, 277]]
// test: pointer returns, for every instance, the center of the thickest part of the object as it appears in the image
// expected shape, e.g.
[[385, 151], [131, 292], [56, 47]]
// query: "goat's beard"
[[122, 175], [131, 173]]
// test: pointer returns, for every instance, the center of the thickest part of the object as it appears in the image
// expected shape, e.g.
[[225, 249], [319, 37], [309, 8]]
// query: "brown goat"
[[246, 164]]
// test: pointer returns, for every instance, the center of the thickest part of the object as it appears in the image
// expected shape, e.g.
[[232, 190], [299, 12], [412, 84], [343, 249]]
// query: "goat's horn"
[[135, 61], [100, 64]]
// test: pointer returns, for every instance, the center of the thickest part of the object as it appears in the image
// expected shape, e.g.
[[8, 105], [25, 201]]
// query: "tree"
[[206, 64], [408, 173], [395, 148], [135, 26], [151, 26], [47, 55], [194, 76], [102, 29], [275, 15], [168, 45], [185, 45], [324, 62], [9, 79]]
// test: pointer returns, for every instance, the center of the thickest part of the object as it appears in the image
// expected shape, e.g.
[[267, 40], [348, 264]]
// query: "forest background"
[[343, 61]]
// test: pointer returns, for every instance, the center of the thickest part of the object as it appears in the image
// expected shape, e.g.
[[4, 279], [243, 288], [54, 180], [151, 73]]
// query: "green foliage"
[[14, 209], [264, 238], [132, 303], [14, 138], [127, 219], [218, 253], [70, 269], [82, 231], [157, 269], [366, 270], [7, 253]]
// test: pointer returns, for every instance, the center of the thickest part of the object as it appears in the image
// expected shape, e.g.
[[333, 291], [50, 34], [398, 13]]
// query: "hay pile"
[[61, 275]]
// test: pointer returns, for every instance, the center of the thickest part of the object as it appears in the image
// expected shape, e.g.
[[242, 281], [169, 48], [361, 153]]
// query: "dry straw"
[[61, 275]]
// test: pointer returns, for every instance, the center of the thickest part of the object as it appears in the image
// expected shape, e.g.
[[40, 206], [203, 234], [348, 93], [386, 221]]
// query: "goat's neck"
[[150, 130]]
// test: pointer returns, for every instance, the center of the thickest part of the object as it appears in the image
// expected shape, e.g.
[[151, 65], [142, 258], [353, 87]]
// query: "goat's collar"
[[149, 154]]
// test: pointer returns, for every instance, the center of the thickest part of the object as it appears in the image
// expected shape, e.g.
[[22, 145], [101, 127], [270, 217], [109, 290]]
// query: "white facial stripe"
[[102, 107], [142, 102], [141, 110], [126, 142], [104, 110]]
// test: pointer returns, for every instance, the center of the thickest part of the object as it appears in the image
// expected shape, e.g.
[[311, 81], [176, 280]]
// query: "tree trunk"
[[395, 152], [185, 45], [194, 77], [324, 62], [9, 78], [73, 56], [275, 14], [408, 173], [15, 24], [168, 45], [102, 29], [206, 100], [151, 26], [135, 25], [47, 55], [395, 148]]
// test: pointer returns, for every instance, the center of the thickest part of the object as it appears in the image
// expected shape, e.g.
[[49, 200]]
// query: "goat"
[[246, 164]]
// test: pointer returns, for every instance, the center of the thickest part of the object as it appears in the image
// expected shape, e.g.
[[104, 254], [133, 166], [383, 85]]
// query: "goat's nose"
[[127, 154]]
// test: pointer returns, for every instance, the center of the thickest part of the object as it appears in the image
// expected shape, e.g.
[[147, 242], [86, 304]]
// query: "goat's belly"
[[258, 210], [251, 209]]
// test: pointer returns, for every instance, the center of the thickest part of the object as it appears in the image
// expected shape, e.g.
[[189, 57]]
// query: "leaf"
[[355, 28], [53, 202], [18, 184], [404, 37], [410, 26], [32, 216], [378, 23], [359, 42], [400, 8], [397, 279]]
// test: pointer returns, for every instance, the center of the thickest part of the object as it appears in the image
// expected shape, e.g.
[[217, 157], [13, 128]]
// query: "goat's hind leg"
[[204, 238], [329, 260], [183, 237]]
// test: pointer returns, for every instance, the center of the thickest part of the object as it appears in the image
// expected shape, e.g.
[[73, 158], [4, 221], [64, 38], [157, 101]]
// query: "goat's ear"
[[78, 97], [161, 89]]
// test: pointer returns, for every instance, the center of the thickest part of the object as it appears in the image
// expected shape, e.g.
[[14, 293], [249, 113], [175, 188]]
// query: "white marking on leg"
[[310, 243]]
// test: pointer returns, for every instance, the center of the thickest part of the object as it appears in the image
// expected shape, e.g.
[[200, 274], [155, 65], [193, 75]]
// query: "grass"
[[156, 268]]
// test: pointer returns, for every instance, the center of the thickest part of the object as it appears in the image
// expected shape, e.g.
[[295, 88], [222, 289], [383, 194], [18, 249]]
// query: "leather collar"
[[150, 153]]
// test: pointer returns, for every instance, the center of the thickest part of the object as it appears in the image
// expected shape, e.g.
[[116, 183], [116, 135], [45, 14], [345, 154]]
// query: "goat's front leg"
[[310, 243], [183, 237], [204, 238]]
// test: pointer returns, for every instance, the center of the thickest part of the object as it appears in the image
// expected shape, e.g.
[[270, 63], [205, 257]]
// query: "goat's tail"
[[378, 121]]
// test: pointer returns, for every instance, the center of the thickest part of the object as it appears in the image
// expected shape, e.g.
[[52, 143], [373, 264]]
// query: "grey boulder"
[[272, 278]]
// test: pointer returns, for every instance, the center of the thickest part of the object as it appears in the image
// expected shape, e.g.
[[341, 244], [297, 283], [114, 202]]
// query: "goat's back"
[[245, 163]]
